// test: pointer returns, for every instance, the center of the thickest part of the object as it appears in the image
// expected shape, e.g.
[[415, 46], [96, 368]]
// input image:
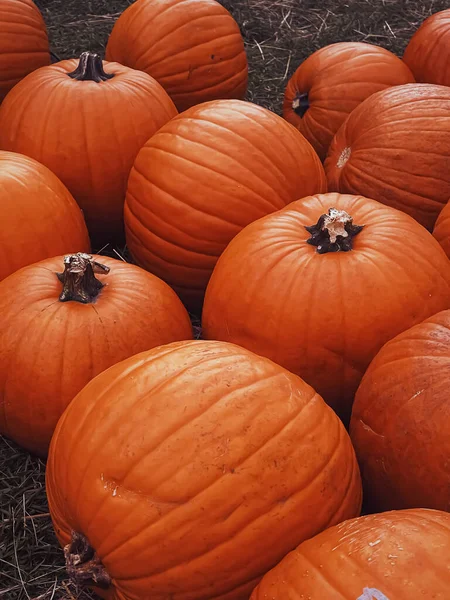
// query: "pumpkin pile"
[[315, 250]]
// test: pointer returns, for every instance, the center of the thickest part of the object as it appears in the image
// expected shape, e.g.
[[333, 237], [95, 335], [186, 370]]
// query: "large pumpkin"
[[397, 555], [61, 326], [192, 47], [320, 286], [331, 82], [188, 471], [86, 124], [23, 42], [202, 178], [39, 218], [394, 147], [401, 420], [441, 229], [428, 52]]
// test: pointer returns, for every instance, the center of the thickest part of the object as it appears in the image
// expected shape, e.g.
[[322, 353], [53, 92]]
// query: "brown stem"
[[300, 104], [78, 279], [333, 232], [83, 565], [90, 68]]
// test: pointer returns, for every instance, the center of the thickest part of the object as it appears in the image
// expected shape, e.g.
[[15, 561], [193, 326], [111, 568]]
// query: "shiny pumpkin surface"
[[336, 79], [394, 148], [204, 464], [87, 133], [23, 42], [401, 420], [441, 229], [396, 555], [325, 316], [192, 47], [49, 349], [203, 177], [39, 217]]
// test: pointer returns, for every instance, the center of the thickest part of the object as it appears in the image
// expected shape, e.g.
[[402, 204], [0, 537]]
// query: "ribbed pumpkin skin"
[[441, 229], [337, 78], [39, 217], [325, 316], [49, 350], [87, 133], [23, 42], [204, 464], [394, 148], [401, 419], [192, 47], [202, 178], [428, 52], [396, 555]]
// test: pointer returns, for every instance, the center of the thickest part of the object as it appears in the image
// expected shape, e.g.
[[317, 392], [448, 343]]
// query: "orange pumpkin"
[[39, 218], [58, 330], [401, 420], [394, 148], [23, 42], [441, 229], [192, 47], [428, 52], [397, 555], [202, 178], [320, 286], [332, 82], [87, 126], [190, 470]]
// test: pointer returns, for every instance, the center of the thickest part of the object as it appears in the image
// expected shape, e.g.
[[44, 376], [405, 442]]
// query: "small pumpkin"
[[401, 419], [428, 51], [320, 286], [394, 148], [203, 177], [86, 123], [441, 229], [190, 470], [192, 47], [39, 217], [396, 555], [332, 82], [23, 42], [66, 319]]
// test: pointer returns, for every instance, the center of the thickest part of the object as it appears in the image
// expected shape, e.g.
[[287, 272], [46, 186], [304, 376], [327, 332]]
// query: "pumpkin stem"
[[300, 104], [333, 232], [83, 565], [78, 279], [90, 68]]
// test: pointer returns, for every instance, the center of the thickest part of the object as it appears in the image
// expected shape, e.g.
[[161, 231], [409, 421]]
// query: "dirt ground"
[[279, 34]]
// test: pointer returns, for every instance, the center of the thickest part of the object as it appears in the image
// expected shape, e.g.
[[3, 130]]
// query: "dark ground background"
[[279, 34]]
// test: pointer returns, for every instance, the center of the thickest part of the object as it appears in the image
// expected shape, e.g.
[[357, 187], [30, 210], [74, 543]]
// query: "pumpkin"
[[192, 47], [441, 229], [401, 420], [333, 81], [66, 319], [321, 285], [428, 52], [396, 555], [189, 470], [23, 42], [39, 217], [86, 124], [203, 177], [394, 148]]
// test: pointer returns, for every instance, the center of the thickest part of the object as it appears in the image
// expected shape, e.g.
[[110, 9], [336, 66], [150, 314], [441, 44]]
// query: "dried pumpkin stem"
[[90, 68], [333, 232], [300, 104], [83, 565], [78, 279]]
